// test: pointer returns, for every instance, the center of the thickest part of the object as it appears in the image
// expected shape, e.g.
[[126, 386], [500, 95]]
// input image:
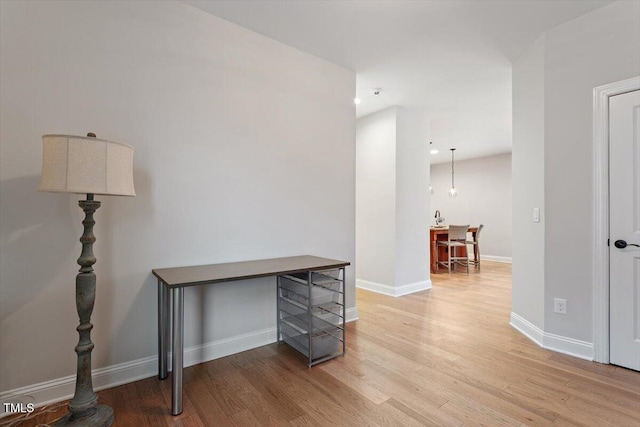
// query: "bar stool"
[[476, 247], [457, 238]]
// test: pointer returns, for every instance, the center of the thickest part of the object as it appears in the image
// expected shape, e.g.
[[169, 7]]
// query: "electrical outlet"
[[560, 306]]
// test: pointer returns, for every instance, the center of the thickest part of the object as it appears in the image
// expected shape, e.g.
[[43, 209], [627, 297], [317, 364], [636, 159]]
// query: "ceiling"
[[452, 58]]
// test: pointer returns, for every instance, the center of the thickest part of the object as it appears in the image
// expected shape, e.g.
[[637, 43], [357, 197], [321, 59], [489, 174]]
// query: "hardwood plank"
[[472, 392], [603, 413], [408, 416], [472, 413], [273, 391], [305, 421], [245, 418], [207, 409], [338, 371]]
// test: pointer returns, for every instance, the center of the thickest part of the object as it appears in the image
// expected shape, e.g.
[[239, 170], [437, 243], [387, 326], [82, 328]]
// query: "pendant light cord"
[[453, 184]]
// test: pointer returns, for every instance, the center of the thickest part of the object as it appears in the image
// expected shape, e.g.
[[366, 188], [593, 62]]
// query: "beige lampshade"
[[79, 164]]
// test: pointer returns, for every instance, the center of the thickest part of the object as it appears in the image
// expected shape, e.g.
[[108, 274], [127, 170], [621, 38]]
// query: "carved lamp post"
[[86, 165]]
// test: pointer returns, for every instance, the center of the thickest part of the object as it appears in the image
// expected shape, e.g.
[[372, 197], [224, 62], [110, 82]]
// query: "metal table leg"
[[344, 311], [163, 330], [177, 295], [278, 287]]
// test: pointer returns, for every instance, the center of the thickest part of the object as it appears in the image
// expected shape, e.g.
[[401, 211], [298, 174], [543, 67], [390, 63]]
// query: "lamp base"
[[102, 418]]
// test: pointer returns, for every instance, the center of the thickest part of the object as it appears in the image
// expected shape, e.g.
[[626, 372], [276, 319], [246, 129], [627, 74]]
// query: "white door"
[[624, 215]]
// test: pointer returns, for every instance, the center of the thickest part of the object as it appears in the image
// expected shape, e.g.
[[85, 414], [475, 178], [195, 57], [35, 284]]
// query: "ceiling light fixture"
[[434, 151], [452, 191], [356, 101]]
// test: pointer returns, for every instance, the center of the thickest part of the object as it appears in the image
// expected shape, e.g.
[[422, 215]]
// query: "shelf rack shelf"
[[311, 313]]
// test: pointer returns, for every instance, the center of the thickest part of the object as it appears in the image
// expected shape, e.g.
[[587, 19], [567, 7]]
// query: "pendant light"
[[452, 191]]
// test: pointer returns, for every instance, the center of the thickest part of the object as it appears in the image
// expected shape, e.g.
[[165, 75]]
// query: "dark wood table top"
[[214, 273]]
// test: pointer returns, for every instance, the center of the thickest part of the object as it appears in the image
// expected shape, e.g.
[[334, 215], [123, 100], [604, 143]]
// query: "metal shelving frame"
[[308, 319]]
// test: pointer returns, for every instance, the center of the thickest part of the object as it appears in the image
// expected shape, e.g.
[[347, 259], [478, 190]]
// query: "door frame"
[[600, 298]]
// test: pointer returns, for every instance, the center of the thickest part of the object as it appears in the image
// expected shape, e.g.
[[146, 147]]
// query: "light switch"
[[536, 214]]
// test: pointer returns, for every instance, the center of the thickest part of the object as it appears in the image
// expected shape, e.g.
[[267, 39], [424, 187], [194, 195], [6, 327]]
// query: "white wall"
[[528, 184], [376, 197], [392, 201], [412, 198], [598, 48], [245, 149], [484, 197]]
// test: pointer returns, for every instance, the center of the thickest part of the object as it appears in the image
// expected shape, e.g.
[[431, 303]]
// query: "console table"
[[171, 284]]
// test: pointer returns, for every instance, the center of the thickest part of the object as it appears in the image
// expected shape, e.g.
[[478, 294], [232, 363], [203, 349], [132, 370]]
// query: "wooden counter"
[[442, 233]]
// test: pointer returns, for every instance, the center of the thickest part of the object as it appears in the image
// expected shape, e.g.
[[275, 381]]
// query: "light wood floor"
[[444, 357]]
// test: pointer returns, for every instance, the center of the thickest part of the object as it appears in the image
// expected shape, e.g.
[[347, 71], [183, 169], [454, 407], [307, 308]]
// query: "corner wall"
[[592, 50], [245, 149], [376, 197], [528, 185], [392, 202], [412, 200]]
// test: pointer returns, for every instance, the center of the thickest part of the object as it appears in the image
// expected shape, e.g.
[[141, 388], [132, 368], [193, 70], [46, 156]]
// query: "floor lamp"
[[86, 165]]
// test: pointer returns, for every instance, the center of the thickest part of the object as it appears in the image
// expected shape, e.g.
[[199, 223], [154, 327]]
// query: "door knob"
[[621, 244]]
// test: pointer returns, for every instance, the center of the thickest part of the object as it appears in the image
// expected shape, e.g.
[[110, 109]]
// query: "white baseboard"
[[527, 329], [394, 291], [495, 258], [569, 346], [60, 389], [411, 288], [352, 314], [221, 348], [375, 287], [549, 341]]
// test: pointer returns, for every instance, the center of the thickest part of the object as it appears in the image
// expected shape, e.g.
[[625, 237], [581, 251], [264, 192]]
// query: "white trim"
[[553, 342], [48, 392], [495, 258], [411, 288], [527, 328], [569, 346], [376, 287], [600, 297], [394, 291], [225, 347], [352, 314]]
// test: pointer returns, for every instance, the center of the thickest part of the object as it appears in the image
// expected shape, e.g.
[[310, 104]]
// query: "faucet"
[[439, 219]]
